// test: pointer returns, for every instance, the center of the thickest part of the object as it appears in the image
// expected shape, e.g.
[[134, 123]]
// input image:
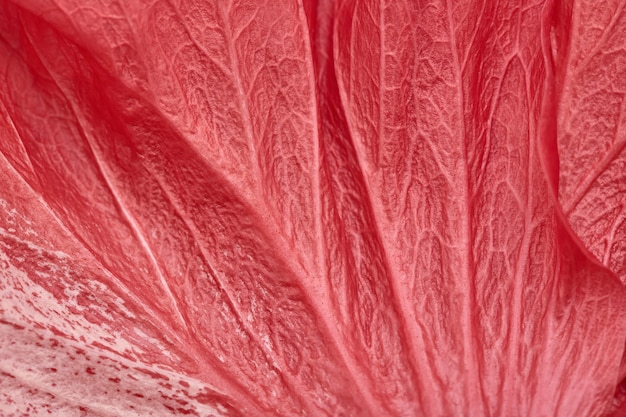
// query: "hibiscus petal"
[[198, 211]]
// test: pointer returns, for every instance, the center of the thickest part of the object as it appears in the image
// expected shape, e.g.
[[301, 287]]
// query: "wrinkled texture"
[[350, 208], [592, 134]]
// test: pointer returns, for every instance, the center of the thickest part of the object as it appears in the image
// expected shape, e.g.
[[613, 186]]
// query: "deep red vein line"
[[472, 385]]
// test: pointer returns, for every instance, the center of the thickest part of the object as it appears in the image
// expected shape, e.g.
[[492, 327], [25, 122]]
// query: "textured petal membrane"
[[190, 222], [451, 121], [589, 48]]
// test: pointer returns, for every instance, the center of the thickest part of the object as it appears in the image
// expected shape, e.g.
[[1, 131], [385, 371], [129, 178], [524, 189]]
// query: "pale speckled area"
[[34, 365]]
